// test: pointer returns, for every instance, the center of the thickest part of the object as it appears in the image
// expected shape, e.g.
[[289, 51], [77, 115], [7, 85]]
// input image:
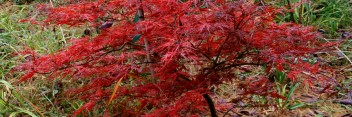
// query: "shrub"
[[161, 57]]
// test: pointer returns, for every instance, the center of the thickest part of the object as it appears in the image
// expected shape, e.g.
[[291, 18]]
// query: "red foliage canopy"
[[172, 50]]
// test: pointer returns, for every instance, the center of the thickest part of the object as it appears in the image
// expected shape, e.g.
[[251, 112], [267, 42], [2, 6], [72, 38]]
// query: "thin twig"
[[140, 14], [227, 112], [338, 49]]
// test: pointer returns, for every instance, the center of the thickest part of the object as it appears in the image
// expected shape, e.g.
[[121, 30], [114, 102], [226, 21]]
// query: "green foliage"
[[16, 100], [9, 109], [287, 90], [330, 15]]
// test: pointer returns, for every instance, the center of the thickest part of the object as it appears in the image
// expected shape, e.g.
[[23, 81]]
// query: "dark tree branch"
[[211, 105]]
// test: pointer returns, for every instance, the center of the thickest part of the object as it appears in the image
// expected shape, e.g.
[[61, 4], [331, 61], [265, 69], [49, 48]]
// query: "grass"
[[33, 98], [330, 15], [40, 97], [16, 99]]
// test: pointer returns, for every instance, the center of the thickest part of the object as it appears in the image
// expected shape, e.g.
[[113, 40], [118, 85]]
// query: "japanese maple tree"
[[161, 57]]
